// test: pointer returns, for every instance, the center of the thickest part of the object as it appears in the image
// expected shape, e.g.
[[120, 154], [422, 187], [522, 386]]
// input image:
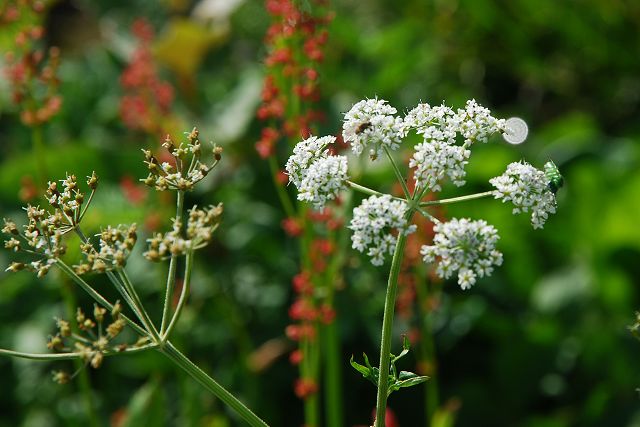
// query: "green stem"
[[186, 286], [120, 287], [83, 383], [310, 371], [285, 201], [428, 353], [457, 199], [210, 384], [128, 287], [387, 326], [171, 276], [399, 176], [96, 296], [369, 191], [333, 390], [69, 356]]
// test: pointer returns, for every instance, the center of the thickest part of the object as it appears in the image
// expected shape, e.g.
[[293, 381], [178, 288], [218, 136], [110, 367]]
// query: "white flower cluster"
[[438, 155], [435, 159], [465, 246], [477, 123], [372, 225], [528, 189], [317, 175], [372, 123]]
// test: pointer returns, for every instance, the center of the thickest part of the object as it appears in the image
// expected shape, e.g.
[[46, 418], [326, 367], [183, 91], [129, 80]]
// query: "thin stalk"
[[210, 384], [309, 371], [96, 296], [128, 287], [69, 356], [387, 326], [428, 353], [171, 276], [428, 216], [369, 191], [186, 286], [399, 176], [120, 287], [457, 199], [285, 201], [83, 384], [333, 390]]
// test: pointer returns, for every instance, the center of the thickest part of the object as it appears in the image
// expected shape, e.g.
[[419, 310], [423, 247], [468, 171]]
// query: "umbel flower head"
[[116, 244], [42, 235], [463, 246], [528, 189], [438, 156], [199, 231], [318, 176], [187, 169], [371, 124], [373, 224]]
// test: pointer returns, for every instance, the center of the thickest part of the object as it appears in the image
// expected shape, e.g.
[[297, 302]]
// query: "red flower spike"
[[305, 387], [296, 356], [292, 227]]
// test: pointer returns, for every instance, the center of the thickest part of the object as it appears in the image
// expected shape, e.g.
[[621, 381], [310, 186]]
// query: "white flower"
[[323, 180], [318, 176], [372, 225], [371, 123], [477, 123], [304, 153], [433, 160], [439, 156], [465, 246], [528, 189], [435, 123]]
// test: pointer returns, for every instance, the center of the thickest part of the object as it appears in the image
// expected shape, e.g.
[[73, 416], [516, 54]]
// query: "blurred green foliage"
[[542, 343]]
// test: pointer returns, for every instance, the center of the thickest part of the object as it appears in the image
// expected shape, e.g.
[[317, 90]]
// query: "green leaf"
[[368, 371], [412, 381], [360, 368]]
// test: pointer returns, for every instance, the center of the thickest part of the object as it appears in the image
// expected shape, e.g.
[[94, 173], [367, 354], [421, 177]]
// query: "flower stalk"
[[387, 328]]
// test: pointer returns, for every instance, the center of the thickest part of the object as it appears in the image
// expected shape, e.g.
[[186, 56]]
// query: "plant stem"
[[399, 176], [387, 328], [83, 384], [369, 191], [69, 356], [120, 287], [457, 199], [184, 294], [333, 390], [285, 201], [128, 287], [427, 352], [210, 384], [171, 276], [96, 296]]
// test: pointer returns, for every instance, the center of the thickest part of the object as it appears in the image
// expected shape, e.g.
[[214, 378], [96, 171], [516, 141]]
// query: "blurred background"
[[544, 342]]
